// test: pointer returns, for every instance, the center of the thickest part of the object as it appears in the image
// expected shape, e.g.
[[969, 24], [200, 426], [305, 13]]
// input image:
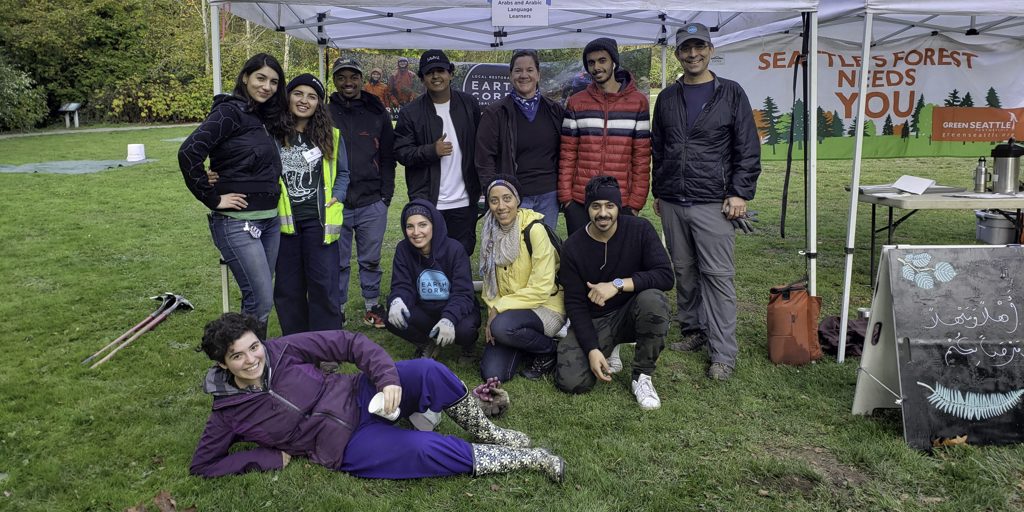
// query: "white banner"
[[519, 13]]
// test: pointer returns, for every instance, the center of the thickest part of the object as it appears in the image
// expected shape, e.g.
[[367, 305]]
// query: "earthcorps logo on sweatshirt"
[[434, 285]]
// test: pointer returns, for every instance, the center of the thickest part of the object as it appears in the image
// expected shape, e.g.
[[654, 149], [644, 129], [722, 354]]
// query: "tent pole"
[[851, 224], [320, 50], [215, 47], [811, 139], [664, 66]]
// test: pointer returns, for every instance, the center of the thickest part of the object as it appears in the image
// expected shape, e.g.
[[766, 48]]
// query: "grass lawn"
[[84, 253]]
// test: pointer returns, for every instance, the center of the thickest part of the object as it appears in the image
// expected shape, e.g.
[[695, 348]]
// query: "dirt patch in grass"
[[837, 475]]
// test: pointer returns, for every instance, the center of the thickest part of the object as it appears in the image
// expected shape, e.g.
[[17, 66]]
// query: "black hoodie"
[[241, 152], [365, 125]]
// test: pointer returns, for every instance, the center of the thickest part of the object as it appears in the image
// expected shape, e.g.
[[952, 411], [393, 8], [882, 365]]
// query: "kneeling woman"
[[274, 395], [432, 302], [524, 304]]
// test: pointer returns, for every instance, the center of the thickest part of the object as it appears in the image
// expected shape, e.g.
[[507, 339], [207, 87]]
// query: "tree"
[[771, 118], [905, 130], [798, 123], [953, 100], [824, 125], [968, 101], [869, 128], [992, 99], [887, 126], [915, 118], [836, 124], [21, 104], [926, 120]]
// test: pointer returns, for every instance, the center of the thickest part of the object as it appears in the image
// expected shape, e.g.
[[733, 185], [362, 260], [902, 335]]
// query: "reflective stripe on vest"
[[334, 214]]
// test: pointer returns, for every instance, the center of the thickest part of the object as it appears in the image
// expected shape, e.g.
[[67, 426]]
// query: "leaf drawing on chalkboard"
[[944, 272], [971, 406], [908, 272], [919, 260], [924, 280]]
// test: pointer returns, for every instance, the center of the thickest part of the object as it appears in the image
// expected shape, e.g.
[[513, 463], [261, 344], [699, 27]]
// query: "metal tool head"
[[183, 303], [164, 297]]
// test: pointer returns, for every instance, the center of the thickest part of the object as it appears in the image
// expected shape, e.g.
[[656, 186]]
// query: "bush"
[[21, 105], [137, 100]]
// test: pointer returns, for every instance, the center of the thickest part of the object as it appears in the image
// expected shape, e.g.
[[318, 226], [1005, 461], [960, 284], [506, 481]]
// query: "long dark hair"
[[318, 128], [274, 111]]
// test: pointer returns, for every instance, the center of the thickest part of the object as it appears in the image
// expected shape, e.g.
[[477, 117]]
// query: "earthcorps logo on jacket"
[[434, 285]]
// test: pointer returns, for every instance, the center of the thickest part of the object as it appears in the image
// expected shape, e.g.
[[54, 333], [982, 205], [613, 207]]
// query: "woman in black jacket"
[[242, 195]]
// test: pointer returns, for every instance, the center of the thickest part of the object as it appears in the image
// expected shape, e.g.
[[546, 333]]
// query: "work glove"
[[398, 313], [743, 222], [443, 332], [493, 400]]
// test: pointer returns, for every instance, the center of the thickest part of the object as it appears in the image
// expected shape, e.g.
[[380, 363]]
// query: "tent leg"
[[851, 224], [215, 47], [811, 146]]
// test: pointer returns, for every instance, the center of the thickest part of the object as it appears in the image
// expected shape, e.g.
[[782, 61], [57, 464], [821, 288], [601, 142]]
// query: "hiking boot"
[[542, 365], [646, 396], [374, 317], [467, 356], [690, 342], [719, 371], [430, 351]]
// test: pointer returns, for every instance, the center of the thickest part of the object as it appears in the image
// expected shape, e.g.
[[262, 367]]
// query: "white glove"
[[398, 314], [443, 332]]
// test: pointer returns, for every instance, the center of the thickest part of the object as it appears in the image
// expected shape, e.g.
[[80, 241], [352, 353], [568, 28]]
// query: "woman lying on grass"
[[273, 394]]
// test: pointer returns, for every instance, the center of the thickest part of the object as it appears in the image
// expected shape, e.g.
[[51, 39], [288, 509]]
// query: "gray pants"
[[644, 320], [700, 241]]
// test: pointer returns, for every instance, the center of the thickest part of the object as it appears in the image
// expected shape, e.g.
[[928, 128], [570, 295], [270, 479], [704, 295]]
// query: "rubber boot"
[[490, 459], [467, 414]]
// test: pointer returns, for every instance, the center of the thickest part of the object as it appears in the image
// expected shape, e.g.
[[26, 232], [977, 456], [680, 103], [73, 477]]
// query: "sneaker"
[[564, 331], [646, 396], [374, 316], [614, 361], [430, 351], [425, 421], [719, 371], [691, 342], [542, 365]]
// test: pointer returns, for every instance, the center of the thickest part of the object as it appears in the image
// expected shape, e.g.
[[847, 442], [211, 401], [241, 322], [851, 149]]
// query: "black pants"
[[461, 224]]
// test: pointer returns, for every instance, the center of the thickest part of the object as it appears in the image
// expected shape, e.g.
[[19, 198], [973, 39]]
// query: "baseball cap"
[[433, 59], [692, 31], [346, 63]]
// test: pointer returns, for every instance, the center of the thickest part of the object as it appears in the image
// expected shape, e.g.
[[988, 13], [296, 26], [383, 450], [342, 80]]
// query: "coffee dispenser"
[[1006, 167]]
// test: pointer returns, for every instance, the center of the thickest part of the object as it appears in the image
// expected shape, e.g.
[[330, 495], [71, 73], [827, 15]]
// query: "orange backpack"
[[793, 325]]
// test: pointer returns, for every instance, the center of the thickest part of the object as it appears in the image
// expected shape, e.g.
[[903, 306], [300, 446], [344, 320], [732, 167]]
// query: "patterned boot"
[[489, 459], [468, 415]]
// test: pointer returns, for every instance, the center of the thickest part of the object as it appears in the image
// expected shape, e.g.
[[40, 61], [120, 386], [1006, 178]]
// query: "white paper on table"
[[913, 184]]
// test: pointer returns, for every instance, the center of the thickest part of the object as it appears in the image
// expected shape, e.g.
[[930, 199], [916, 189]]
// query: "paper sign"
[[913, 184], [519, 13]]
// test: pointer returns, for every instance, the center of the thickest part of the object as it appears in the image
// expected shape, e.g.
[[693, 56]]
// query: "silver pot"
[[1006, 167]]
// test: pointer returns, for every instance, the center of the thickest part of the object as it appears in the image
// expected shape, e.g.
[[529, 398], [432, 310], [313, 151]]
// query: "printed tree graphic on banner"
[[824, 125], [783, 125], [915, 118], [771, 119], [926, 121], [887, 126], [869, 128], [953, 100], [992, 99], [798, 123], [836, 124], [968, 101], [905, 130]]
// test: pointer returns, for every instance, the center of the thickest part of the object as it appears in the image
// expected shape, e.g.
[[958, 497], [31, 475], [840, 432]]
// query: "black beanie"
[[603, 43], [603, 188], [307, 79]]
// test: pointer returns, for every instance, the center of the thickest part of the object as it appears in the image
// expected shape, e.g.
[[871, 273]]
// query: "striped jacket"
[[606, 134]]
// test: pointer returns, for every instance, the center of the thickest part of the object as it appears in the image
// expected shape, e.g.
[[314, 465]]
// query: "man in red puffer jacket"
[[606, 131]]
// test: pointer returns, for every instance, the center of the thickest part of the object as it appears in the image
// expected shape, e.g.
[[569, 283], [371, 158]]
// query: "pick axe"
[[170, 303]]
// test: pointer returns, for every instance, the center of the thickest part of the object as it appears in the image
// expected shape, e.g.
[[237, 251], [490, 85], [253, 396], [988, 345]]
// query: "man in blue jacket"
[[707, 158]]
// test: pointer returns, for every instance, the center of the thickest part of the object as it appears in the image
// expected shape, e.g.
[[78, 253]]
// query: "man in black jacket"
[[435, 139], [614, 271], [707, 158], [365, 125]]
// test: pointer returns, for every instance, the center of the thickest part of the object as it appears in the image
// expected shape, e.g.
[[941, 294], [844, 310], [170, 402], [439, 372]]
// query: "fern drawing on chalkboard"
[[915, 268], [971, 406]]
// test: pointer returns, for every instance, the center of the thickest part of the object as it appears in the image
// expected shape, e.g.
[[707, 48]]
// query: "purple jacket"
[[300, 410]]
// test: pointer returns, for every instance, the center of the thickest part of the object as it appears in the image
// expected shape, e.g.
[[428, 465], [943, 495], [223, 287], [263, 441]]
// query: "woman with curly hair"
[[314, 182], [242, 191]]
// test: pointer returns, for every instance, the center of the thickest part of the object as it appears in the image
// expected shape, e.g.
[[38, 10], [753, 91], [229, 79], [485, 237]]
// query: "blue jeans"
[[251, 260], [368, 224], [516, 332], [306, 289], [546, 204]]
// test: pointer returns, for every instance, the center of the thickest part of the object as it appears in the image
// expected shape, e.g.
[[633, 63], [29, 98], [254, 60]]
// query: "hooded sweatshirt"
[[441, 282], [365, 126]]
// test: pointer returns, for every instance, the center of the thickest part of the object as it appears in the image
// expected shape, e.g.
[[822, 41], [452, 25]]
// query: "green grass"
[[83, 252]]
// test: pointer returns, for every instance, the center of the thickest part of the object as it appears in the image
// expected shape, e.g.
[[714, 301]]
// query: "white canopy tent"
[[466, 25], [907, 18]]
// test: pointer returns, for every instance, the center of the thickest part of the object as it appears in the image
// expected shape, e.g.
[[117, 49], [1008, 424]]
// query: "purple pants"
[[379, 449]]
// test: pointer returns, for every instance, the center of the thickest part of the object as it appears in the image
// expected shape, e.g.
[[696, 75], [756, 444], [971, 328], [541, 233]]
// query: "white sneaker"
[[425, 421], [564, 331], [646, 396], [614, 361]]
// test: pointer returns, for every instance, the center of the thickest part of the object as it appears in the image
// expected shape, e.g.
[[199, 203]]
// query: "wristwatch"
[[618, 284]]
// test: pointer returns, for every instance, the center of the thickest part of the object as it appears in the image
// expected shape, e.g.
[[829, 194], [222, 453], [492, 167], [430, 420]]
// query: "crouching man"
[[615, 272]]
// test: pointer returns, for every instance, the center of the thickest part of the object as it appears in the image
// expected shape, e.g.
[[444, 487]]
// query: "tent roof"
[[466, 24]]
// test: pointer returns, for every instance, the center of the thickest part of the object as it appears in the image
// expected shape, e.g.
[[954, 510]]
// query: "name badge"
[[312, 155]]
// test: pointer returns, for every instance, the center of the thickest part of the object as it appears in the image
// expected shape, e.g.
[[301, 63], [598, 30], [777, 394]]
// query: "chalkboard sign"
[[954, 341]]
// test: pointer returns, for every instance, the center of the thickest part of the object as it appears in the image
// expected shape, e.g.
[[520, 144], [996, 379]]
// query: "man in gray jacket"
[[707, 158]]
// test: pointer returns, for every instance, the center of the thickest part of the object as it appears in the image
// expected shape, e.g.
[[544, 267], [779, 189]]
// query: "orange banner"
[[977, 124]]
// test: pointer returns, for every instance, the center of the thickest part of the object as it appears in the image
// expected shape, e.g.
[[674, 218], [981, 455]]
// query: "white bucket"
[[136, 152]]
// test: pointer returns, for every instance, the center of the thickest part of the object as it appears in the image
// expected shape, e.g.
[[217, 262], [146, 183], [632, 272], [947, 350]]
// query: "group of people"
[[293, 180]]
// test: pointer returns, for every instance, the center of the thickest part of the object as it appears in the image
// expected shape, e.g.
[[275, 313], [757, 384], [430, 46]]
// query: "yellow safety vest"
[[333, 215]]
